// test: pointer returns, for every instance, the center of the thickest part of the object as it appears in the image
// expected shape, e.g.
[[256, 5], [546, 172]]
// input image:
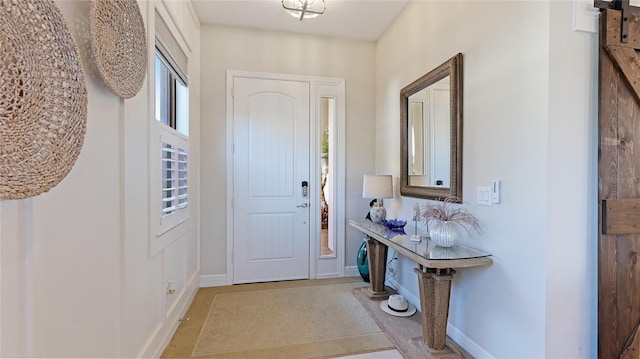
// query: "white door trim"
[[318, 87]]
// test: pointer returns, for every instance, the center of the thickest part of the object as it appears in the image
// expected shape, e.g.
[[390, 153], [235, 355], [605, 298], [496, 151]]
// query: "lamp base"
[[377, 214]]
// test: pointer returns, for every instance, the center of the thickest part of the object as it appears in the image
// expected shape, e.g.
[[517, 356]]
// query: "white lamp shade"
[[377, 186]]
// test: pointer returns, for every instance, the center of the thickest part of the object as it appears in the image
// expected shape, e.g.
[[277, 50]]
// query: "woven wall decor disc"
[[43, 98], [119, 45]]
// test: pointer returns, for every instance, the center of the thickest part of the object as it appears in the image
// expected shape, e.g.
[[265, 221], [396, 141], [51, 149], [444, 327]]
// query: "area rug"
[[318, 321]]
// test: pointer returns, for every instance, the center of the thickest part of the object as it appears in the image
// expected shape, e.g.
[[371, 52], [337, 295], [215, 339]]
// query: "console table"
[[435, 272]]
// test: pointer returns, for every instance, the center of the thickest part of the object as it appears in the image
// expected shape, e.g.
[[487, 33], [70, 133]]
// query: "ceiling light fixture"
[[304, 9]]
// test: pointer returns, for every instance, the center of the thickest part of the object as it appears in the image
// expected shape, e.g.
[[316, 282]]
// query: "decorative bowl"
[[394, 224]]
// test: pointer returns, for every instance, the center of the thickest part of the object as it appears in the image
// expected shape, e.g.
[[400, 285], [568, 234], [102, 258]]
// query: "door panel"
[[271, 160], [619, 179]]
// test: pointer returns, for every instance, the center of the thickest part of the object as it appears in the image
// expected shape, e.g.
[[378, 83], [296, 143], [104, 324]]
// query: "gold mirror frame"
[[452, 68]]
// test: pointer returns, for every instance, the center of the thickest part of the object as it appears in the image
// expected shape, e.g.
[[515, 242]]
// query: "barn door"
[[619, 184]]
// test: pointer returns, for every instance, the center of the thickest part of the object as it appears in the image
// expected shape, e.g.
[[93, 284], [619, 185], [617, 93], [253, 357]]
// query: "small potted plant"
[[444, 219]]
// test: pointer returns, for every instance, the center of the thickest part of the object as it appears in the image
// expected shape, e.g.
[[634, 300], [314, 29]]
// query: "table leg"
[[377, 257], [435, 290]]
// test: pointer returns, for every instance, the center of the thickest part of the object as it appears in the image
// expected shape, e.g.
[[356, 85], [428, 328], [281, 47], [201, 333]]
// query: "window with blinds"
[[175, 194], [172, 115]]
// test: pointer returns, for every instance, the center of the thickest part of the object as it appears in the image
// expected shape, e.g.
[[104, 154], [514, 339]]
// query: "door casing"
[[325, 267]]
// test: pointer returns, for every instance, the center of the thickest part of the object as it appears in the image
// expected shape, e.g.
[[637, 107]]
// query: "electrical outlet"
[[171, 287]]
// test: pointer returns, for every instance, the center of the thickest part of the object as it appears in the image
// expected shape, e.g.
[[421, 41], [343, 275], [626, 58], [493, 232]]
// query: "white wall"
[[528, 94], [572, 189], [228, 48], [77, 277]]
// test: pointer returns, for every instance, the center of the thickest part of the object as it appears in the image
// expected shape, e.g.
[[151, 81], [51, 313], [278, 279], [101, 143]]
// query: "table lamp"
[[378, 187]]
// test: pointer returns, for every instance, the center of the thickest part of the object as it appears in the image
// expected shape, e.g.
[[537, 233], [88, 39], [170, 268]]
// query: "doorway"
[[282, 194], [271, 120]]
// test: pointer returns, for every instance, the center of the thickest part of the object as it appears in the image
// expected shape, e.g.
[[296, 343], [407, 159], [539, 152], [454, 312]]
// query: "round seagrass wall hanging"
[[43, 98], [119, 45]]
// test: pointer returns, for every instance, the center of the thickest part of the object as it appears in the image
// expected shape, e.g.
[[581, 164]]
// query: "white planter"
[[445, 234]]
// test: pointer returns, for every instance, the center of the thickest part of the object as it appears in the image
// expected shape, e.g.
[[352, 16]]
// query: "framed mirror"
[[431, 133]]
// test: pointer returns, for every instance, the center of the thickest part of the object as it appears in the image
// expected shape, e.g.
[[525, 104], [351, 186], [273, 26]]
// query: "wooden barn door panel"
[[619, 179]]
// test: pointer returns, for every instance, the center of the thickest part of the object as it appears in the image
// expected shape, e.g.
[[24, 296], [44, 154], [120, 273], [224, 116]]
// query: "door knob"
[[304, 205]]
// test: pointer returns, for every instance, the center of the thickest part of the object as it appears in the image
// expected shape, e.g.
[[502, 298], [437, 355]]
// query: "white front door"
[[271, 163]]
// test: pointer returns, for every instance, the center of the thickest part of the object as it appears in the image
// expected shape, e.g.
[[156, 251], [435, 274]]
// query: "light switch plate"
[[484, 195]]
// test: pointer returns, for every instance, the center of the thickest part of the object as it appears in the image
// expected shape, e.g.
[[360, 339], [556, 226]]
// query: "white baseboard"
[[351, 271], [215, 280], [165, 330], [469, 345]]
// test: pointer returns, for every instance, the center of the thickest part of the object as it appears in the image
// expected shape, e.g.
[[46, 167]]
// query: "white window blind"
[[175, 188], [183, 193], [168, 179], [167, 44]]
